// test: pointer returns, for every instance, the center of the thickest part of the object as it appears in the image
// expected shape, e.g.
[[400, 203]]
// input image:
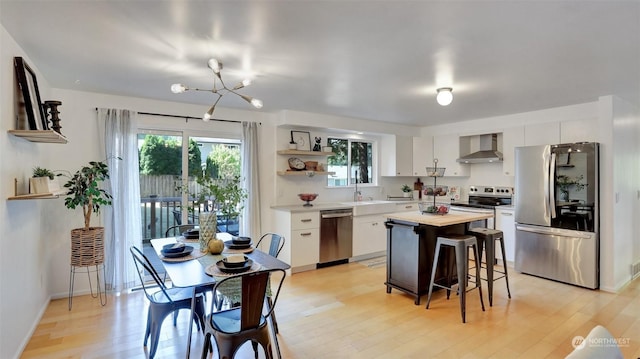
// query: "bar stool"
[[486, 239], [460, 243]]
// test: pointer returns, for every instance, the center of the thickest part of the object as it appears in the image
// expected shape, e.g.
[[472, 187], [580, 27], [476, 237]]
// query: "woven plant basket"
[[87, 246]]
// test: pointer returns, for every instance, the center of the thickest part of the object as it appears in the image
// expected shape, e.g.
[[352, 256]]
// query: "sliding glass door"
[[170, 163]]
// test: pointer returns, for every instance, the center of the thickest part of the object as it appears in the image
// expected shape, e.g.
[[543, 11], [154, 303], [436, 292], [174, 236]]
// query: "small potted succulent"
[[41, 180], [406, 190]]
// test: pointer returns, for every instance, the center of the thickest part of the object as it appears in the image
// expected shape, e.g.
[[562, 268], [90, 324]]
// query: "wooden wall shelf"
[[33, 196], [44, 136], [303, 173], [304, 153]]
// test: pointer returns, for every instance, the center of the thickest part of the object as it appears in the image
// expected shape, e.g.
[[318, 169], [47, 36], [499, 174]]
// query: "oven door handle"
[[467, 209]]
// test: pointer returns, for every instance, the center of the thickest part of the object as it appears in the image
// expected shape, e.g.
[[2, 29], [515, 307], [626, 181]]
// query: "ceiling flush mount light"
[[220, 90], [444, 96]]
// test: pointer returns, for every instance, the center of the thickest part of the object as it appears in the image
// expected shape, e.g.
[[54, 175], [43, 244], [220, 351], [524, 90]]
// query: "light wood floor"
[[345, 312]]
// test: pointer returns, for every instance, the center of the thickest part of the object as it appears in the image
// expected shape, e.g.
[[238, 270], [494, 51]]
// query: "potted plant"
[[41, 180], [406, 190], [83, 190], [226, 197]]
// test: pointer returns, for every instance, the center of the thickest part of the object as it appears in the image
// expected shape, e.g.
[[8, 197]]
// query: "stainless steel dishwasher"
[[335, 236]]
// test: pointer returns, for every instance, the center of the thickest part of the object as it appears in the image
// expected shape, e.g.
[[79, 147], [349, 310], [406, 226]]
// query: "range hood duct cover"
[[488, 152]]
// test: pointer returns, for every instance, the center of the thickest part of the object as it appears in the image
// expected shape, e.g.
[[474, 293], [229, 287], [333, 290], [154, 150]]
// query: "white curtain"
[[122, 227], [251, 212]]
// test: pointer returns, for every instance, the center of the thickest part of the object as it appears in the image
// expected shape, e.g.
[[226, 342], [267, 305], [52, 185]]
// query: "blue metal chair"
[[163, 301]]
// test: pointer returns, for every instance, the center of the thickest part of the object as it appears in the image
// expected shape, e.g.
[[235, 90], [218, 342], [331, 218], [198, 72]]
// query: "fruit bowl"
[[434, 208], [307, 197]]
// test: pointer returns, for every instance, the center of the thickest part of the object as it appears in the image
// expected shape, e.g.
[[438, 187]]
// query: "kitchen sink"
[[363, 208]]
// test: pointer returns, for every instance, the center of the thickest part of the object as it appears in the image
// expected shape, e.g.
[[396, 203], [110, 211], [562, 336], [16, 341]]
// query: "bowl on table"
[[173, 248], [307, 197], [241, 240], [235, 261]]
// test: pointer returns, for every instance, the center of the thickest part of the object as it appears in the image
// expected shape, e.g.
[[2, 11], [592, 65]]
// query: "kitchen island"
[[411, 243]]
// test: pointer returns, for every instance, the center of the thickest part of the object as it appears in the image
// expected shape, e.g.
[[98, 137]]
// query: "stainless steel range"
[[484, 199]]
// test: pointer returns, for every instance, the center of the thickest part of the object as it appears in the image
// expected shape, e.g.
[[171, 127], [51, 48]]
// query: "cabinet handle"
[[374, 223], [408, 207], [507, 214], [305, 220], [305, 234]]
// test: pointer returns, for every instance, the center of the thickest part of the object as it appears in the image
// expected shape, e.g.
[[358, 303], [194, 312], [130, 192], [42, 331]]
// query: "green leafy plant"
[[406, 188], [226, 194], [84, 190], [43, 172]]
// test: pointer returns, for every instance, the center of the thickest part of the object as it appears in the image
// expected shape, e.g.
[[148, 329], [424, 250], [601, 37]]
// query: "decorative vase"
[[564, 195], [208, 227]]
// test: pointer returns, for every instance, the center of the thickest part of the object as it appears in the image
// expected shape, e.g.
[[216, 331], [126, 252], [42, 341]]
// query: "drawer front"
[[406, 207], [305, 247], [305, 220]]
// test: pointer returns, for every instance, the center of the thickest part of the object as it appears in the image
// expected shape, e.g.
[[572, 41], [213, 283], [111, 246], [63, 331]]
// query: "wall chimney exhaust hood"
[[488, 151]]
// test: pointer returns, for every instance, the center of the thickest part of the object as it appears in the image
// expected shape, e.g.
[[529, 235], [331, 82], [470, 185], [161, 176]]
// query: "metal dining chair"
[[232, 327], [275, 247], [163, 301]]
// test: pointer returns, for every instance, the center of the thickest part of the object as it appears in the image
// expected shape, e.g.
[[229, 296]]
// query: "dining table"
[[198, 268]]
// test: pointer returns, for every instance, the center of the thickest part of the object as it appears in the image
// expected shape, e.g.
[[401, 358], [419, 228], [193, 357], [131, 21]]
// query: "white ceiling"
[[379, 60]]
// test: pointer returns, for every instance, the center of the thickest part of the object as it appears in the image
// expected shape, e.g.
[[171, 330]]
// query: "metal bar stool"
[[460, 243], [486, 239]]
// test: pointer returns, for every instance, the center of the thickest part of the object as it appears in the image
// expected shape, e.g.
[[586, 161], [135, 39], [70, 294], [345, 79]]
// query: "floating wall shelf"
[[304, 153], [44, 136]]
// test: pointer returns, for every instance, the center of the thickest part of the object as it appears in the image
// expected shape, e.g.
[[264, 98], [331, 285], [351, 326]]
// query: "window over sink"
[[351, 156]]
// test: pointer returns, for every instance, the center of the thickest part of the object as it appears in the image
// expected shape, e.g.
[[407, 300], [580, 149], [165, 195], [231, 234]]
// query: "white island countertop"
[[451, 218]]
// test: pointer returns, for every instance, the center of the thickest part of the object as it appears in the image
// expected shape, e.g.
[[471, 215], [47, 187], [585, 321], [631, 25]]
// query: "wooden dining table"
[[190, 273]]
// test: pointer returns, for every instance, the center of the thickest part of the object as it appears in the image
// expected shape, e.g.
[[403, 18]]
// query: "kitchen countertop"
[[357, 206], [297, 208], [448, 219]]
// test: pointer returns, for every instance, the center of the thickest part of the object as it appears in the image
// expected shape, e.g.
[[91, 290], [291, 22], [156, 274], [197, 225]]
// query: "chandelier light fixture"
[[444, 96], [219, 90]]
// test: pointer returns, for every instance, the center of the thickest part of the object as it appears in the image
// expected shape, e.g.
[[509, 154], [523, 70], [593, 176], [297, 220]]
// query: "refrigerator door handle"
[[554, 232], [551, 187]]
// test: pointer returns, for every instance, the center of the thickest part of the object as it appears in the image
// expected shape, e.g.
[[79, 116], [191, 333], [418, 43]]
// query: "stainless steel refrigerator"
[[556, 212]]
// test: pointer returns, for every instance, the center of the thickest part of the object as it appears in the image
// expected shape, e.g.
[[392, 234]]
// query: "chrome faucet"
[[356, 194]]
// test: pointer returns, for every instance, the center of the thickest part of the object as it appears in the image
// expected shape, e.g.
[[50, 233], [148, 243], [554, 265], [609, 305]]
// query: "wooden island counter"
[[411, 243]]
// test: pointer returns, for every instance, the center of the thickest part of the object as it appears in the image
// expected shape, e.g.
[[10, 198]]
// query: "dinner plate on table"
[[185, 252], [232, 245], [233, 270]]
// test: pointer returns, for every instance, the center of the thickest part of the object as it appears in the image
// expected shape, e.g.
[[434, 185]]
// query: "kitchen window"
[[351, 156]]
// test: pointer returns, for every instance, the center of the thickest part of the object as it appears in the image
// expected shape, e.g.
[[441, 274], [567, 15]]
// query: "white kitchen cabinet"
[[547, 133], [505, 222], [511, 138], [369, 235], [302, 238], [396, 153], [422, 155], [446, 148], [585, 130]]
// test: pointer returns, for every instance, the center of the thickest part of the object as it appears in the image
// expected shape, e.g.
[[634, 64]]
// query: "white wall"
[[24, 240]]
